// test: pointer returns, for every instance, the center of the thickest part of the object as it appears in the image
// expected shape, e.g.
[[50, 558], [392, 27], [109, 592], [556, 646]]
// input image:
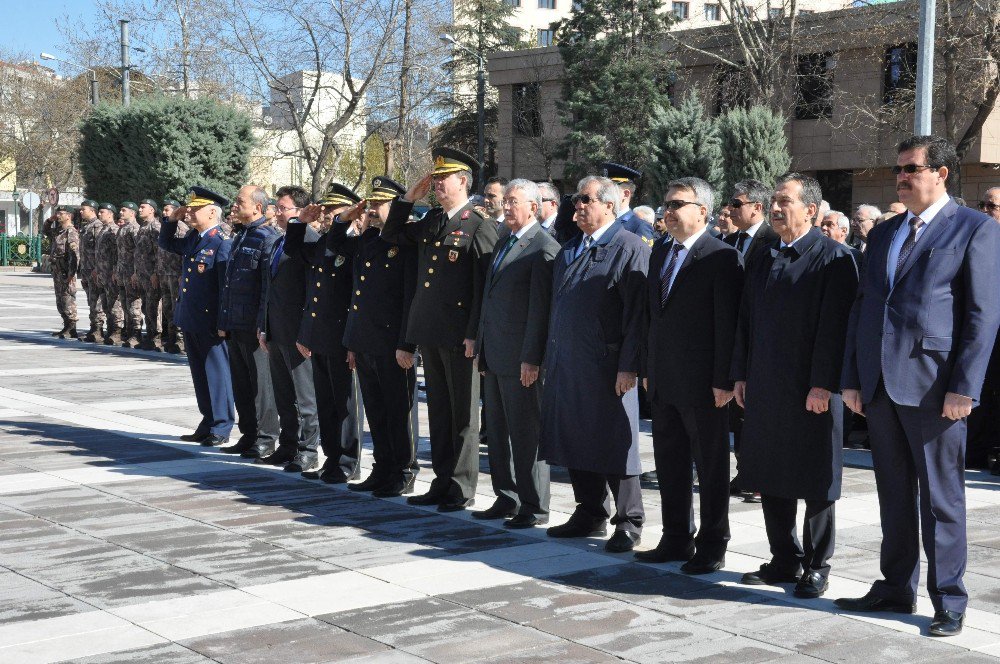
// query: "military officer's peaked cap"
[[170, 201], [619, 173], [108, 206], [384, 189], [130, 205], [450, 160], [339, 195], [200, 197], [150, 202], [92, 204]]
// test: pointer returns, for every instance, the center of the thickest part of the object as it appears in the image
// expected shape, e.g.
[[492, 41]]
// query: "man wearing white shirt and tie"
[[750, 202]]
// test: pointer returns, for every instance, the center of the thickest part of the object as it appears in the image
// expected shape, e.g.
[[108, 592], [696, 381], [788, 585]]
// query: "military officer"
[[204, 252], [626, 178], [455, 249], [385, 277], [64, 255], [128, 292], [145, 278], [92, 226], [168, 272], [107, 265], [321, 334]]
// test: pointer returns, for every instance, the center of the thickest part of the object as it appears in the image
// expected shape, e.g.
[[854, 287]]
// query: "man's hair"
[[496, 179], [548, 191], [628, 186], [841, 218], [702, 191], [467, 174], [259, 197], [939, 151], [526, 187], [755, 191], [645, 213], [298, 195], [219, 215], [607, 191], [811, 193], [869, 210]]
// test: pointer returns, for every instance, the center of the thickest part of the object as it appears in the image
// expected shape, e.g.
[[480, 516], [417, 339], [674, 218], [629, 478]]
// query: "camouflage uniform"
[[107, 264], [168, 268], [128, 293], [144, 260], [88, 275], [64, 255]]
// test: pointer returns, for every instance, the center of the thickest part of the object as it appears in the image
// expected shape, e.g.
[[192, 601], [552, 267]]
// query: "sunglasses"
[[986, 206], [736, 205], [673, 206], [585, 199], [910, 169]]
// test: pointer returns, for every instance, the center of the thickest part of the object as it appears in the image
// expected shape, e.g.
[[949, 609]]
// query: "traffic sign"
[[30, 200]]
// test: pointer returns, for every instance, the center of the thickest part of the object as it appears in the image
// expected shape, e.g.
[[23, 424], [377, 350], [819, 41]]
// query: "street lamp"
[[480, 103], [93, 75]]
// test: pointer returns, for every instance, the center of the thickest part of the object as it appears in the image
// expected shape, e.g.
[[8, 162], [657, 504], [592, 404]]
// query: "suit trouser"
[[590, 490], [294, 396], [919, 460], [682, 434], [818, 534], [390, 398], [208, 359], [151, 311], [513, 426], [453, 418], [95, 305], [252, 390], [341, 415]]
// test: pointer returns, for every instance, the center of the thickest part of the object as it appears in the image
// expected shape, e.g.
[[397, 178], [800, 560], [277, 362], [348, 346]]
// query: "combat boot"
[[145, 344], [71, 333], [113, 339], [131, 342], [91, 336], [61, 334], [99, 336], [155, 344]]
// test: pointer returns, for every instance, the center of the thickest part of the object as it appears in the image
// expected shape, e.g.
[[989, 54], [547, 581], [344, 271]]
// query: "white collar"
[[783, 245], [927, 216], [688, 243], [752, 231], [598, 233], [524, 230]]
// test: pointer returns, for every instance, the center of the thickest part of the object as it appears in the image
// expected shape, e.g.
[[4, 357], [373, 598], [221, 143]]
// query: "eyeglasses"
[[674, 206], [986, 206], [585, 199], [510, 202], [910, 169], [282, 208], [737, 204]]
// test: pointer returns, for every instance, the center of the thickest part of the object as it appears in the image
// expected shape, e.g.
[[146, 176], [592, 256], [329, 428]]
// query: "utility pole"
[[925, 70], [126, 94], [94, 94]]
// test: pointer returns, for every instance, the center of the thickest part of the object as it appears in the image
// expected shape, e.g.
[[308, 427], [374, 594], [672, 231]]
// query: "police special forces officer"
[[91, 228], [64, 256]]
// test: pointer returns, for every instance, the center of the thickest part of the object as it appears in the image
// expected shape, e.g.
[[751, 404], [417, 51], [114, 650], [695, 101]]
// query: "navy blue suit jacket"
[[933, 331], [203, 269]]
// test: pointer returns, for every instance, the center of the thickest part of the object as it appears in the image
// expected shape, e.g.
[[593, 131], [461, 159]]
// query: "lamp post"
[[16, 214], [94, 96], [126, 67], [480, 104], [922, 118]]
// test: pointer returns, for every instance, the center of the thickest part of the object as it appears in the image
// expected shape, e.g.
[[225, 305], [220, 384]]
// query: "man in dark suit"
[[550, 207], [513, 328], [920, 337], [627, 178], [455, 250], [786, 363], [204, 251], [282, 299], [693, 287], [590, 404]]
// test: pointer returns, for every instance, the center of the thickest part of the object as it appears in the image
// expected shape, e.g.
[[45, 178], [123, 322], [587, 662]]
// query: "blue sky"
[[29, 26]]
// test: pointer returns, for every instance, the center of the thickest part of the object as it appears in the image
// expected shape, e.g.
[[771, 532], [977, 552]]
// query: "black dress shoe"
[[872, 604], [665, 554], [213, 441], [650, 477], [579, 529], [769, 575], [455, 504], [294, 466], [370, 483], [429, 498], [697, 565], [279, 457], [394, 489], [946, 623], [333, 474], [526, 521], [242, 445], [495, 511], [811, 585], [621, 542], [252, 453], [194, 437]]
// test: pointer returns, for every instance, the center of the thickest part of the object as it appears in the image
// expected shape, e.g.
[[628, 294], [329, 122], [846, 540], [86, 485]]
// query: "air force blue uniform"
[[196, 313]]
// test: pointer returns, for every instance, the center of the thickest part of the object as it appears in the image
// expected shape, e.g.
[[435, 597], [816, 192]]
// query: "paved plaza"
[[120, 544]]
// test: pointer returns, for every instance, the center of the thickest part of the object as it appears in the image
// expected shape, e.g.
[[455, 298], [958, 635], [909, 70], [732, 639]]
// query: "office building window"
[[526, 105], [545, 37], [776, 13], [713, 12], [512, 3], [546, 4], [900, 72], [682, 10], [814, 86]]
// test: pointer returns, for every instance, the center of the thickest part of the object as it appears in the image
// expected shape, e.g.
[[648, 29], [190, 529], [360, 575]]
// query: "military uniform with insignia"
[[629, 177], [454, 252], [127, 291], [204, 253], [107, 266], [92, 227], [64, 256], [145, 256]]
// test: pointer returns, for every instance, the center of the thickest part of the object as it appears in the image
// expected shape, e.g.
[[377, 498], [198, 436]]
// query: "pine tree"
[[616, 76], [684, 142], [754, 143]]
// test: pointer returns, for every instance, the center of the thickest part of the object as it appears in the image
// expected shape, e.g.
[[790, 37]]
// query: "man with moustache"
[[786, 363], [454, 252], [920, 337]]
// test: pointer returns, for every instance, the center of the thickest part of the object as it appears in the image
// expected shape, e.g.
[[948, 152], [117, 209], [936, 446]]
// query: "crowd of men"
[[555, 319]]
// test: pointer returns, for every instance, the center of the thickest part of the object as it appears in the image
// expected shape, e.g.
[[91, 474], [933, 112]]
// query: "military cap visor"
[[200, 197], [130, 205], [89, 203], [450, 160], [384, 189], [63, 208], [339, 195], [108, 206], [620, 173], [171, 201]]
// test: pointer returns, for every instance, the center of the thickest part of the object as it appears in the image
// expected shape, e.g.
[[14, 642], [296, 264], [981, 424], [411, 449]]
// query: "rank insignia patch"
[[453, 255], [201, 268], [338, 261], [393, 251]]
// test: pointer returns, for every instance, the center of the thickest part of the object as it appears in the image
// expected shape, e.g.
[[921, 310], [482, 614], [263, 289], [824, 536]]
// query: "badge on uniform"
[[393, 251], [201, 268], [338, 261], [453, 255], [650, 241], [466, 214]]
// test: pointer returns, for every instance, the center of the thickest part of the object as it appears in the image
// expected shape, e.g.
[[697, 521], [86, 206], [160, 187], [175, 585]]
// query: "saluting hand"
[[740, 393], [310, 213], [179, 213], [625, 382], [355, 212], [420, 189], [852, 399], [404, 359], [818, 400]]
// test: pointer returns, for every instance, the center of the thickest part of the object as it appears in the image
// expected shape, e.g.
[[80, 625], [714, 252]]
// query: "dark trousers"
[[294, 397], [453, 417], [151, 311], [341, 415], [252, 390], [682, 434], [818, 534], [513, 425], [591, 492], [390, 396], [919, 460], [208, 359]]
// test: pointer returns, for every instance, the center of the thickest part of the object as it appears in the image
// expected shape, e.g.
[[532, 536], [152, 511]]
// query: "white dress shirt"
[[899, 239], [681, 255]]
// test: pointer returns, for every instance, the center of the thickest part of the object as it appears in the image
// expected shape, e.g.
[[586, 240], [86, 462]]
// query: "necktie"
[[907, 248], [585, 245], [741, 241], [277, 256], [511, 241], [668, 272]]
